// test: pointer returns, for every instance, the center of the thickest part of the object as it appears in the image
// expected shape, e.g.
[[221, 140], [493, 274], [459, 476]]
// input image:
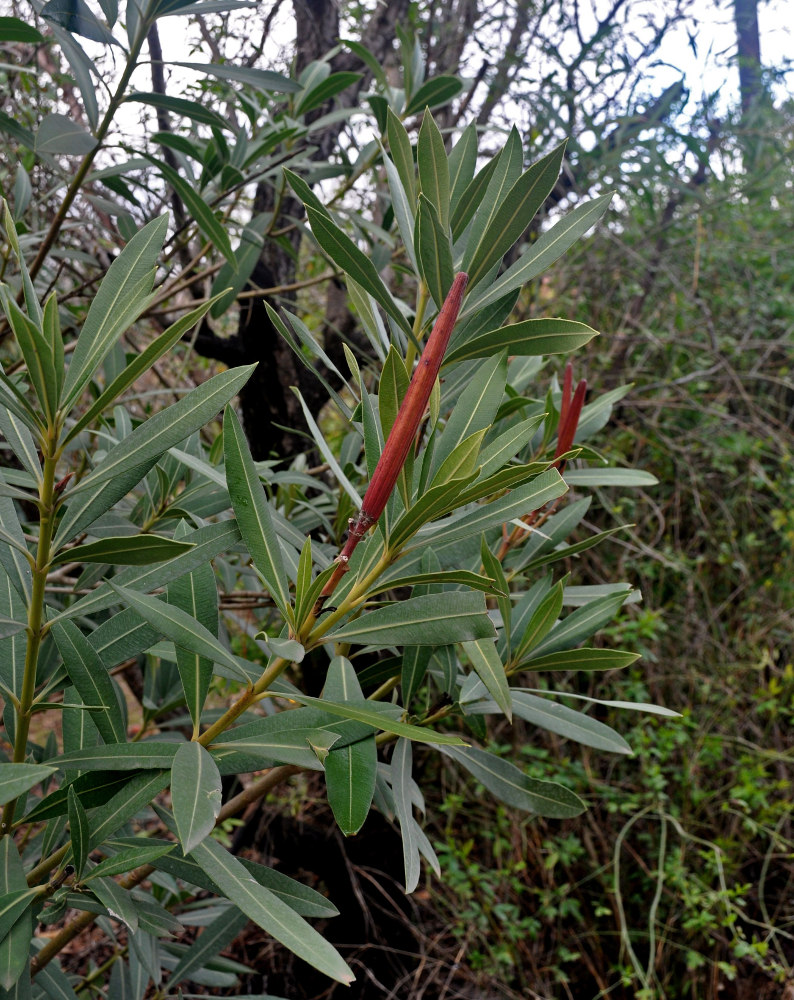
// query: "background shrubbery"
[[677, 881]]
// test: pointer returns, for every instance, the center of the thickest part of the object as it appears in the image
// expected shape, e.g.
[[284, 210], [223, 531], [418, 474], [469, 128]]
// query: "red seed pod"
[[402, 434]]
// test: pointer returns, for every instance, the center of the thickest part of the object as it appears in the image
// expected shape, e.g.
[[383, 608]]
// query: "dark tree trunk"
[[271, 412], [748, 53]]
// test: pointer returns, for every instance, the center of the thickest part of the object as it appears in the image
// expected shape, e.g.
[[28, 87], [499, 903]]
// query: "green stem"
[[357, 594], [82, 171], [421, 306], [35, 625], [248, 698]]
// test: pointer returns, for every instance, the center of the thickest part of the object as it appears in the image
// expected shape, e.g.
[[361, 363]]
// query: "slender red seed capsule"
[[413, 406], [567, 432], [402, 434], [565, 402]]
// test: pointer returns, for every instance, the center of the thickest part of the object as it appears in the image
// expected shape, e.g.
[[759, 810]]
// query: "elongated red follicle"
[[412, 408], [565, 402], [568, 432], [401, 437]]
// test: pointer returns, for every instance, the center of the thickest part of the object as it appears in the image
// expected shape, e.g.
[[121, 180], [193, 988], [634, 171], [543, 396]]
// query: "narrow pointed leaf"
[[401, 766], [512, 213], [121, 296], [434, 619], [488, 666], [180, 627], [88, 674], [116, 901], [568, 723], [516, 789], [79, 833], [364, 711], [544, 251], [169, 427], [353, 261], [140, 363], [268, 911], [129, 550], [532, 337], [15, 946], [195, 794], [582, 659], [215, 937], [433, 251], [253, 511], [350, 774], [18, 778], [431, 158]]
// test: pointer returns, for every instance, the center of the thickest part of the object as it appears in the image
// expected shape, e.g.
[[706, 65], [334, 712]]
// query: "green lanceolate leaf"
[[434, 93], [581, 623], [121, 297], [511, 213], [128, 462], [137, 793], [180, 627], [293, 747], [350, 774], [462, 162], [610, 477], [206, 220], [433, 250], [132, 857], [253, 512], [544, 251], [148, 755], [488, 666], [37, 353], [434, 619], [532, 337], [127, 550], [195, 794], [16, 944], [364, 711], [88, 674], [505, 174], [324, 91], [13, 905], [431, 158], [196, 594], [475, 409], [140, 363], [168, 428], [401, 767], [567, 723], [13, 551], [79, 833], [179, 106], [268, 911], [402, 154], [208, 542], [303, 900], [116, 901], [582, 659], [260, 79], [19, 439], [344, 252], [512, 786], [522, 500], [403, 205], [542, 621], [208, 945], [459, 577]]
